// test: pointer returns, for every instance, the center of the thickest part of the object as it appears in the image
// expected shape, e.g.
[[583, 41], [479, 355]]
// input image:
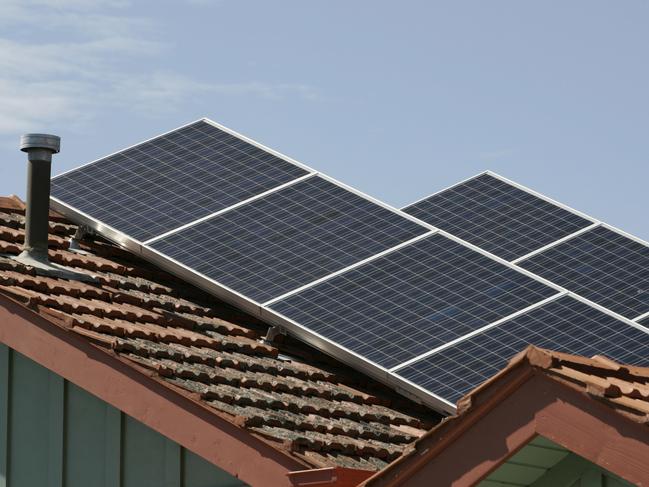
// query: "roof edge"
[[532, 364]]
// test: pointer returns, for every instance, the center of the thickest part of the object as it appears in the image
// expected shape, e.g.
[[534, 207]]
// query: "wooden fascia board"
[[328, 477], [174, 415]]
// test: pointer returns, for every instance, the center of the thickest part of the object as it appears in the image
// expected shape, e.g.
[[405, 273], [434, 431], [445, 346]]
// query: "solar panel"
[[564, 325], [288, 238], [173, 179], [602, 265], [411, 300], [498, 217]]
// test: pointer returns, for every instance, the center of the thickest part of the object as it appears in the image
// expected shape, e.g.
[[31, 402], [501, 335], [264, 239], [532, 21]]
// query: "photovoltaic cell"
[[564, 325], [411, 300], [172, 180], [497, 216], [288, 238], [601, 265]]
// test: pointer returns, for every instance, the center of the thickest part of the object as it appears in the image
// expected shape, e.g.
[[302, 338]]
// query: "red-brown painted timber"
[[328, 477]]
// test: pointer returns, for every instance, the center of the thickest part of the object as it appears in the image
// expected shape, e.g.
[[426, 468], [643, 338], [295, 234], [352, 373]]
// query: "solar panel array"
[[167, 181], [594, 261], [601, 265], [498, 217], [563, 325], [288, 238], [413, 305], [412, 300]]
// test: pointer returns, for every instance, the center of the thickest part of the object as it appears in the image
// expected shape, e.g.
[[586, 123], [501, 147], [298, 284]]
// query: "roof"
[[290, 395], [613, 391], [624, 388]]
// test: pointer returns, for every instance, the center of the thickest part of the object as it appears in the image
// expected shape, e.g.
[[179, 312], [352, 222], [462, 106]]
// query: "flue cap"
[[40, 141]]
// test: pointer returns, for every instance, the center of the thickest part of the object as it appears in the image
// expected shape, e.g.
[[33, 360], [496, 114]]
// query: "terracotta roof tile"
[[324, 459], [286, 392], [622, 387]]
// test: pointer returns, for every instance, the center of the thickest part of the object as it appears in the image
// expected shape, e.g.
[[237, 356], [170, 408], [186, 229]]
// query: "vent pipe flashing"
[[39, 149]]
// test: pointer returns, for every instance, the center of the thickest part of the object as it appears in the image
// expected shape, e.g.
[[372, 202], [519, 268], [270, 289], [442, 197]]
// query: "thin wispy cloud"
[[81, 74], [169, 88], [101, 18]]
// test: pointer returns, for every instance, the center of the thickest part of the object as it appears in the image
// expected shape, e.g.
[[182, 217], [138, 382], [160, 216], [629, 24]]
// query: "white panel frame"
[[556, 242], [352, 266], [229, 208], [641, 317], [462, 338]]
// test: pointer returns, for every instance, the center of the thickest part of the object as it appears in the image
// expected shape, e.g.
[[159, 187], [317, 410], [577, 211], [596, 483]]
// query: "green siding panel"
[[543, 463], [113, 448], [56, 403], [539, 456], [592, 478], [200, 473], [29, 440], [144, 456], [517, 474], [172, 464], [610, 481], [4, 411], [89, 429]]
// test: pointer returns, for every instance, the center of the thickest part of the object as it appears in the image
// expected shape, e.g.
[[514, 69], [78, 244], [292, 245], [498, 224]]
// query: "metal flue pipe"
[[39, 149]]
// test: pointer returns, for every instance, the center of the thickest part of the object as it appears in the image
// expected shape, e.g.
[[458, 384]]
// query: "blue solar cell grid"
[[411, 300], [172, 180], [564, 325], [497, 216], [608, 268], [288, 238]]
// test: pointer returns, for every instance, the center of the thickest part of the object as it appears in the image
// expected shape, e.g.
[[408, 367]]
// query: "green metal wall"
[[543, 463], [54, 434]]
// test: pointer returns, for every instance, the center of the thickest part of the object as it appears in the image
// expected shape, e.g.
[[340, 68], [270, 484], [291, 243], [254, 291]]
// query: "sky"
[[396, 98]]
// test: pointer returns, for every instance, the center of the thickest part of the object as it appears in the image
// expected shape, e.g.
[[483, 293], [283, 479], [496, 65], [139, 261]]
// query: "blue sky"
[[399, 99]]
